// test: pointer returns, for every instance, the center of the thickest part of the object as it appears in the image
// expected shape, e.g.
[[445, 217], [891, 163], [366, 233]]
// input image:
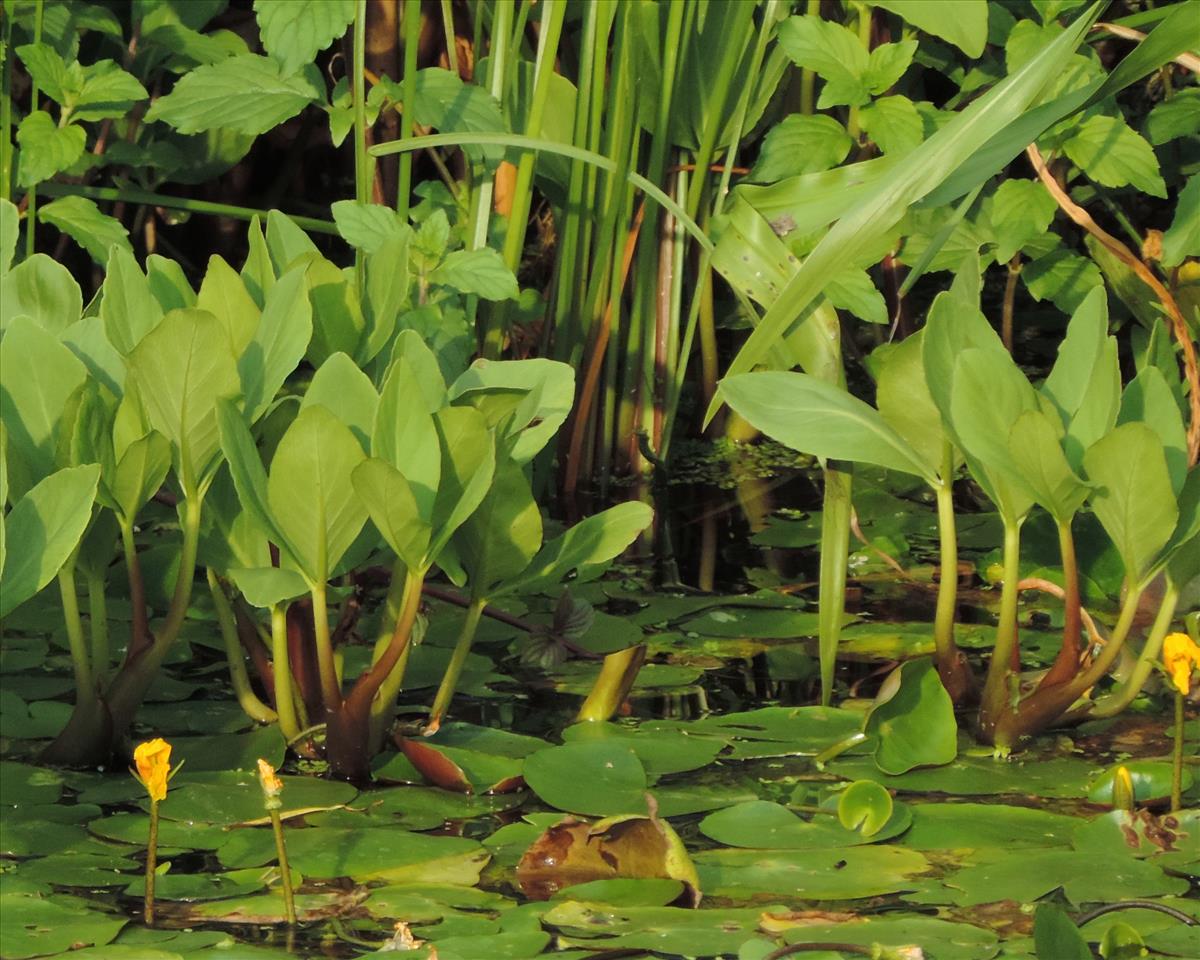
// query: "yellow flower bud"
[[1180, 656], [272, 786], [153, 762]]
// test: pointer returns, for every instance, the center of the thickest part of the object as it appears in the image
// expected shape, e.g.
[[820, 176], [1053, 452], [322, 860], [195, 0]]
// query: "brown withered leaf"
[[630, 847]]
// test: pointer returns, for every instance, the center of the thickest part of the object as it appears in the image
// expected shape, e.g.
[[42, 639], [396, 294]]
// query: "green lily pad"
[[171, 720], [678, 801], [939, 939], [235, 796], [80, 870], [414, 808], [805, 730], [596, 778], [982, 776], [843, 873], [498, 743], [1084, 877], [662, 751], [673, 931], [945, 826], [500, 946], [265, 908], [135, 828], [744, 622], [229, 751], [771, 826], [625, 892], [34, 927], [460, 769], [207, 886], [21, 784], [434, 898], [1151, 781], [27, 838], [39, 720]]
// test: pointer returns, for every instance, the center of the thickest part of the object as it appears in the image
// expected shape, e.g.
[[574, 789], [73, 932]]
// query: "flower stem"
[[289, 898], [1177, 756], [151, 865]]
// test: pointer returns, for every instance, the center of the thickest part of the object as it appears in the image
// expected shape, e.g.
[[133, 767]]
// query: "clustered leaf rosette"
[[152, 767], [1181, 657]]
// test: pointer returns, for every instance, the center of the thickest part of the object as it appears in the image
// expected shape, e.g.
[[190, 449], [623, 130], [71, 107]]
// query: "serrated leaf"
[[368, 226], [893, 123], [800, 144], [445, 103], [1108, 151], [248, 94], [1062, 277], [831, 51], [83, 221], [482, 272], [294, 31], [887, 64], [1174, 118], [1021, 210], [47, 524], [963, 23], [108, 91], [853, 290], [46, 148], [47, 69]]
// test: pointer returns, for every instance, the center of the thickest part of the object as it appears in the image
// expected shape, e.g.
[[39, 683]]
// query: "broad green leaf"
[[42, 289], [249, 477], [224, 295], [294, 31], [129, 309], [258, 273], [46, 148], [1056, 936], [182, 368], [139, 473], [912, 720], [108, 91], [48, 70], [38, 376], [1033, 443], [1148, 399], [1171, 119], [267, 587], [1182, 238], [1079, 354], [1062, 277], [865, 806], [482, 272], [386, 294], [800, 144], [286, 241], [816, 417], [543, 392], [596, 539], [279, 342], [911, 179], [468, 465], [87, 340], [445, 103], [368, 226], [1109, 152], [833, 52], [393, 508], [310, 493], [423, 365], [345, 391], [1097, 412], [907, 406], [81, 220], [404, 434], [501, 537], [1133, 498], [10, 228], [168, 283], [249, 94], [46, 523], [855, 292], [893, 124], [1021, 211], [338, 321], [963, 23]]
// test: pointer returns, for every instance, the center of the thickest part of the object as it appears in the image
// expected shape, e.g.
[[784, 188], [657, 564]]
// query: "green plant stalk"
[[385, 698], [254, 708], [612, 686], [996, 689], [498, 58], [808, 79], [98, 622], [1177, 756], [1066, 664], [362, 160], [151, 865], [1118, 700], [952, 665], [458, 659], [39, 7], [6, 147], [853, 123], [448, 27], [553, 12], [139, 626], [331, 692], [285, 702], [149, 198], [412, 40], [85, 681], [285, 871], [836, 507]]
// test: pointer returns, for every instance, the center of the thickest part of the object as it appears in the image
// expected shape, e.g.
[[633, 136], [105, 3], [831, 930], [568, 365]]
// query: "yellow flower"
[[153, 762], [1180, 656], [271, 784]]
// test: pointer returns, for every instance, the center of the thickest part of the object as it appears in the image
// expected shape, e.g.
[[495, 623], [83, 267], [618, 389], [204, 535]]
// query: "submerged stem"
[[1005, 662], [281, 671], [238, 677], [835, 542], [466, 636]]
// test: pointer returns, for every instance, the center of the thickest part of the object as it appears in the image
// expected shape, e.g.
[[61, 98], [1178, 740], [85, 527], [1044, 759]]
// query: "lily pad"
[[806, 730], [771, 826], [229, 751], [944, 826], [34, 927], [938, 939], [596, 778], [235, 796], [21, 784], [135, 828], [462, 770], [1151, 781], [661, 751], [748, 622], [845, 873], [625, 892], [206, 886], [80, 870], [982, 776]]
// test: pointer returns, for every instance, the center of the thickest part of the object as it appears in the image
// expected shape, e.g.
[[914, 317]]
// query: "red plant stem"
[[1066, 664]]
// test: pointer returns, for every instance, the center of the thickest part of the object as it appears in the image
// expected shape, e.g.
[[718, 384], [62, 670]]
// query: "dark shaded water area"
[[721, 730]]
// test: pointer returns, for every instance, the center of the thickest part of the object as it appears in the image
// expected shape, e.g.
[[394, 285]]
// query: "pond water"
[[719, 740]]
